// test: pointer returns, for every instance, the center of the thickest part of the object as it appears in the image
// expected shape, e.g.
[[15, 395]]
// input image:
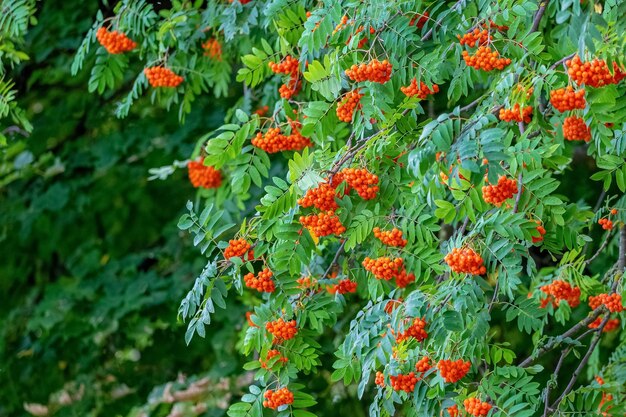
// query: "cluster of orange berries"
[[363, 40], [453, 371], [360, 179], [203, 176], [485, 59], [610, 325], [375, 71], [421, 92], [237, 248], [594, 73], [274, 399], [262, 111], [403, 278], [417, 331], [342, 23], [321, 197], [404, 383], [516, 114], [162, 77], [323, 224], [380, 379], [476, 407], [474, 38], [453, 411], [606, 223], [289, 66], [565, 99], [465, 261], [423, 365], [383, 267], [213, 49], [391, 237], [306, 282], [574, 128], [541, 230], [497, 194], [419, 20], [272, 353], [262, 282], [343, 287], [282, 330], [345, 108], [275, 141], [613, 302], [560, 290], [114, 42]]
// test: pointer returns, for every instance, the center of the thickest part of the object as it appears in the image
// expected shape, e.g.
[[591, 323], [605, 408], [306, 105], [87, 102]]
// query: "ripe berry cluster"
[[474, 38], [342, 23], [453, 411], [282, 330], [289, 66], [541, 230], [465, 261], [306, 282], [363, 40], [391, 237], [606, 223], [345, 108], [485, 59], [162, 77], [610, 325], [476, 407], [342, 287], [384, 267], [560, 290], [213, 49], [403, 278], [574, 128], [421, 92], [262, 282], [262, 111], [453, 371], [594, 73], [114, 42], [321, 197], [516, 115], [419, 20], [375, 71], [380, 379], [274, 399], [323, 224], [613, 302], [203, 176], [360, 179], [404, 383], [272, 353], [417, 331], [499, 193], [274, 141], [423, 365], [237, 248], [565, 99]]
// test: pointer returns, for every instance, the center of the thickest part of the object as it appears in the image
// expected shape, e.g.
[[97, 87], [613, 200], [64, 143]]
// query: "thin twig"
[[539, 15], [428, 34], [522, 129], [601, 248], [621, 260], [562, 60], [334, 261]]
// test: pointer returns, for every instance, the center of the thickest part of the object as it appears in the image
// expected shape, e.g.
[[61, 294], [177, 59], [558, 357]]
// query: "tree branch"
[[539, 15], [621, 260]]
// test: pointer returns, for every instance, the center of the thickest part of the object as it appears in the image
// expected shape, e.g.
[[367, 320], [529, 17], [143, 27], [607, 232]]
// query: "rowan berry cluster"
[[404, 383], [391, 237], [541, 230], [274, 399], [594, 73], [485, 59], [274, 140], [290, 89], [419, 20], [346, 107], [162, 77], [453, 371], [476, 407], [342, 287], [453, 411], [375, 71], [610, 325], [115, 42], [237, 248], [465, 261], [342, 23], [613, 302], [499, 193], [403, 278], [363, 40], [493, 24], [516, 114], [272, 353], [565, 99], [384, 267], [321, 197], [262, 111], [574, 128], [360, 179], [291, 67], [380, 379], [421, 92], [417, 331], [606, 223], [560, 290], [282, 330], [306, 282], [213, 49], [203, 176], [323, 224], [474, 38], [262, 282], [423, 365]]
